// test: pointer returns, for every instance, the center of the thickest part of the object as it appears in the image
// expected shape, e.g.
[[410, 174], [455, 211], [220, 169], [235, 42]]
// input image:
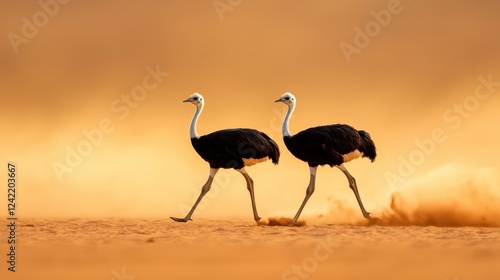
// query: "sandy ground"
[[126, 249]]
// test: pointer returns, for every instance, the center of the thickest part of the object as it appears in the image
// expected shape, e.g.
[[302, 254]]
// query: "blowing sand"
[[126, 249], [446, 232]]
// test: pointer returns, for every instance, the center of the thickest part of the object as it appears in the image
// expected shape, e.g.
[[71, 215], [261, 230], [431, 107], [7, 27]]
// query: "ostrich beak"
[[279, 100], [187, 100]]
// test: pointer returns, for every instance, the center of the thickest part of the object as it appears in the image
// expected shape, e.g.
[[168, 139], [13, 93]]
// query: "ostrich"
[[229, 148], [330, 144]]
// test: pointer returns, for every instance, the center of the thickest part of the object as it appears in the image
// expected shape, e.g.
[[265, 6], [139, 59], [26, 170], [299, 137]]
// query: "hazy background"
[[89, 54]]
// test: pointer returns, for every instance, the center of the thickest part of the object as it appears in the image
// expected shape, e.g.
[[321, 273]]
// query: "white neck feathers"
[[286, 122], [192, 127]]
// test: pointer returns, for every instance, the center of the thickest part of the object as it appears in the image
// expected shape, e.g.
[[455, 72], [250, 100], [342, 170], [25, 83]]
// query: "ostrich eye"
[[287, 98], [195, 98]]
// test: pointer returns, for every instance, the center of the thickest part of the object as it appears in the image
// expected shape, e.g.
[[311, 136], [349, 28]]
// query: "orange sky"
[[409, 79]]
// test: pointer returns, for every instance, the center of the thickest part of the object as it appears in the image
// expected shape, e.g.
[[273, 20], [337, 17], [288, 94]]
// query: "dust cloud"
[[450, 196], [470, 204], [281, 221]]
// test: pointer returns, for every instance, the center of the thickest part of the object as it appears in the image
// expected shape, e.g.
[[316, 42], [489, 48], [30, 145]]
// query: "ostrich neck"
[[286, 122], [192, 128]]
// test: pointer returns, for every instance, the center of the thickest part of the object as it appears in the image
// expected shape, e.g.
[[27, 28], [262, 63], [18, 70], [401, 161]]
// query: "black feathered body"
[[329, 144], [229, 147]]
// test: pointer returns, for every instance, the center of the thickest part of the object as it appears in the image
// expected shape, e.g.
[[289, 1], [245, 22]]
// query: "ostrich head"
[[195, 99], [287, 99]]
